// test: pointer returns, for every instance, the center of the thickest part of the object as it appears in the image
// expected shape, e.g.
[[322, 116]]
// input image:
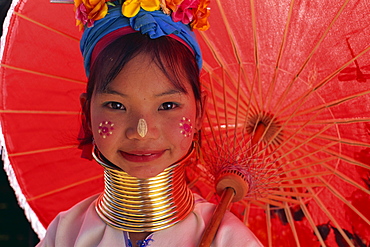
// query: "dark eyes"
[[168, 106], [116, 106], [164, 106]]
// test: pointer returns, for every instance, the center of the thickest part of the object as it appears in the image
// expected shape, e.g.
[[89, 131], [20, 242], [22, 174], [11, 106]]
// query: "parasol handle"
[[233, 187], [218, 214]]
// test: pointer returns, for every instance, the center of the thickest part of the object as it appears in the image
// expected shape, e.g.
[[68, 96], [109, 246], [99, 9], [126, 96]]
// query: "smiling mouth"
[[142, 156]]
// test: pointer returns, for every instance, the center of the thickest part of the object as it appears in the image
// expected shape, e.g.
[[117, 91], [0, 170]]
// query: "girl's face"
[[142, 91]]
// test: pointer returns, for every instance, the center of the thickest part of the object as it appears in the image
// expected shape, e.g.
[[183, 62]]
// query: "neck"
[[144, 205]]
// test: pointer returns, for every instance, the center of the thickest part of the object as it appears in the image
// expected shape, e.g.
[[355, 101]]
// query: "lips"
[[142, 156]]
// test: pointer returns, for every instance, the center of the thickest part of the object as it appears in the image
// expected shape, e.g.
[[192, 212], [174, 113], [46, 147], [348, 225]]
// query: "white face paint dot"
[[186, 127], [105, 128]]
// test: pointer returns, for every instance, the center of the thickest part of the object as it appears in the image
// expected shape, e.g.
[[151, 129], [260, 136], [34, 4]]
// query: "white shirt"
[[82, 227]]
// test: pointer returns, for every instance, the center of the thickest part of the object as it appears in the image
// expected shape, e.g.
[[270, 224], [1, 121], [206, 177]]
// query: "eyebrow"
[[111, 91], [169, 92]]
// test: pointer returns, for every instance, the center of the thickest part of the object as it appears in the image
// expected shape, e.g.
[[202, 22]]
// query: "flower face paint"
[[105, 128], [186, 127]]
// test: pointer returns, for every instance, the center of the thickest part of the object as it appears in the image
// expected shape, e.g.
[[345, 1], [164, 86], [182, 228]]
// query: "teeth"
[[143, 154]]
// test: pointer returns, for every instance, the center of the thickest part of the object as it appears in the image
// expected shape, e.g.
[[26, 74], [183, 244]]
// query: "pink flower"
[[82, 16], [184, 12]]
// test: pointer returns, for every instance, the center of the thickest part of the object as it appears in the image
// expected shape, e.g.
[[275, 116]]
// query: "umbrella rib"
[[337, 140], [41, 150], [323, 36], [311, 175], [332, 103], [301, 185], [311, 222], [46, 27], [40, 112], [268, 225], [305, 141], [346, 179], [42, 74], [321, 84], [338, 174], [307, 165], [327, 212], [334, 121], [340, 197], [289, 216], [257, 76], [280, 55], [330, 216], [65, 187]]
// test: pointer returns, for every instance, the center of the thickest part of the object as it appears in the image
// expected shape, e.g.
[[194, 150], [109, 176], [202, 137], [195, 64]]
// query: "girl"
[[142, 109]]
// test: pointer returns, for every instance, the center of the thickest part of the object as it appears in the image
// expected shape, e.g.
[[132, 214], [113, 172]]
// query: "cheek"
[[181, 132]]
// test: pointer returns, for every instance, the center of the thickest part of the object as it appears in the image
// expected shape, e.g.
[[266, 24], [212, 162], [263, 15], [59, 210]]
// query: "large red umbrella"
[[289, 108]]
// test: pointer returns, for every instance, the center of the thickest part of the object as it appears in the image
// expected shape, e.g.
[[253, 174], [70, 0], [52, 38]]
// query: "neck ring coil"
[[143, 205]]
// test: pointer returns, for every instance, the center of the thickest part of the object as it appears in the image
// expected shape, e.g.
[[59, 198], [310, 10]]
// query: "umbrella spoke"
[[322, 83], [317, 45], [333, 171], [272, 85], [42, 150], [65, 187], [46, 27], [257, 76], [330, 216], [333, 103], [334, 121], [289, 216], [344, 200], [42, 74], [308, 216], [40, 112], [336, 139], [268, 224]]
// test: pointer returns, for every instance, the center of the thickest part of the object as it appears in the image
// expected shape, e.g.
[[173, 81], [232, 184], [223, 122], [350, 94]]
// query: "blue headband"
[[154, 24]]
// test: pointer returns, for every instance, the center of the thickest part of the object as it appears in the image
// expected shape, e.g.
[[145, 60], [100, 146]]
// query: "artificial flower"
[[130, 8], [201, 14], [184, 12], [88, 11], [173, 4]]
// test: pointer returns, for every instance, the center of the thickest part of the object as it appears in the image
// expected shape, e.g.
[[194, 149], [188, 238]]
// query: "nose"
[[142, 128]]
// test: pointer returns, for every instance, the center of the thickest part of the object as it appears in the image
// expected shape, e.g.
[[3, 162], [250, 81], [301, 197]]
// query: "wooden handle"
[[216, 219]]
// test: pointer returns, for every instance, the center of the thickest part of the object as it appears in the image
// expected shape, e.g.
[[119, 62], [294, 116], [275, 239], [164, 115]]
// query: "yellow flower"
[[130, 8]]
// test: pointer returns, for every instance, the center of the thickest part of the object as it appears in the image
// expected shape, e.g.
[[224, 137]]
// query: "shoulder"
[[188, 232], [80, 223]]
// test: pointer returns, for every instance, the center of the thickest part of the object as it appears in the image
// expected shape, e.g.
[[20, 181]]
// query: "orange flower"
[[173, 4], [201, 14], [88, 11]]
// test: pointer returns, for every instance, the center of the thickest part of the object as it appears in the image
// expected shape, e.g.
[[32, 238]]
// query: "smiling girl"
[[143, 109]]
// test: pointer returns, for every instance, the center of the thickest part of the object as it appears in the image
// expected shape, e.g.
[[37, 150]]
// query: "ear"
[[201, 110], [85, 111], [83, 99]]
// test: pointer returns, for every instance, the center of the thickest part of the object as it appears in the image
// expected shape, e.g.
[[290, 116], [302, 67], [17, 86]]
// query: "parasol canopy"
[[289, 108]]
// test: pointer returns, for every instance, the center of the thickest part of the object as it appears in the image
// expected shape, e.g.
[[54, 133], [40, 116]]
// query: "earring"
[[196, 146]]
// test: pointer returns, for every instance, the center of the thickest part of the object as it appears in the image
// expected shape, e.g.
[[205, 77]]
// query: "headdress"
[[155, 18]]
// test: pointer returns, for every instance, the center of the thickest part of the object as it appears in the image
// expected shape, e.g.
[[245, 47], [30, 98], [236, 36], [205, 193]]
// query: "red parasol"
[[289, 107]]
